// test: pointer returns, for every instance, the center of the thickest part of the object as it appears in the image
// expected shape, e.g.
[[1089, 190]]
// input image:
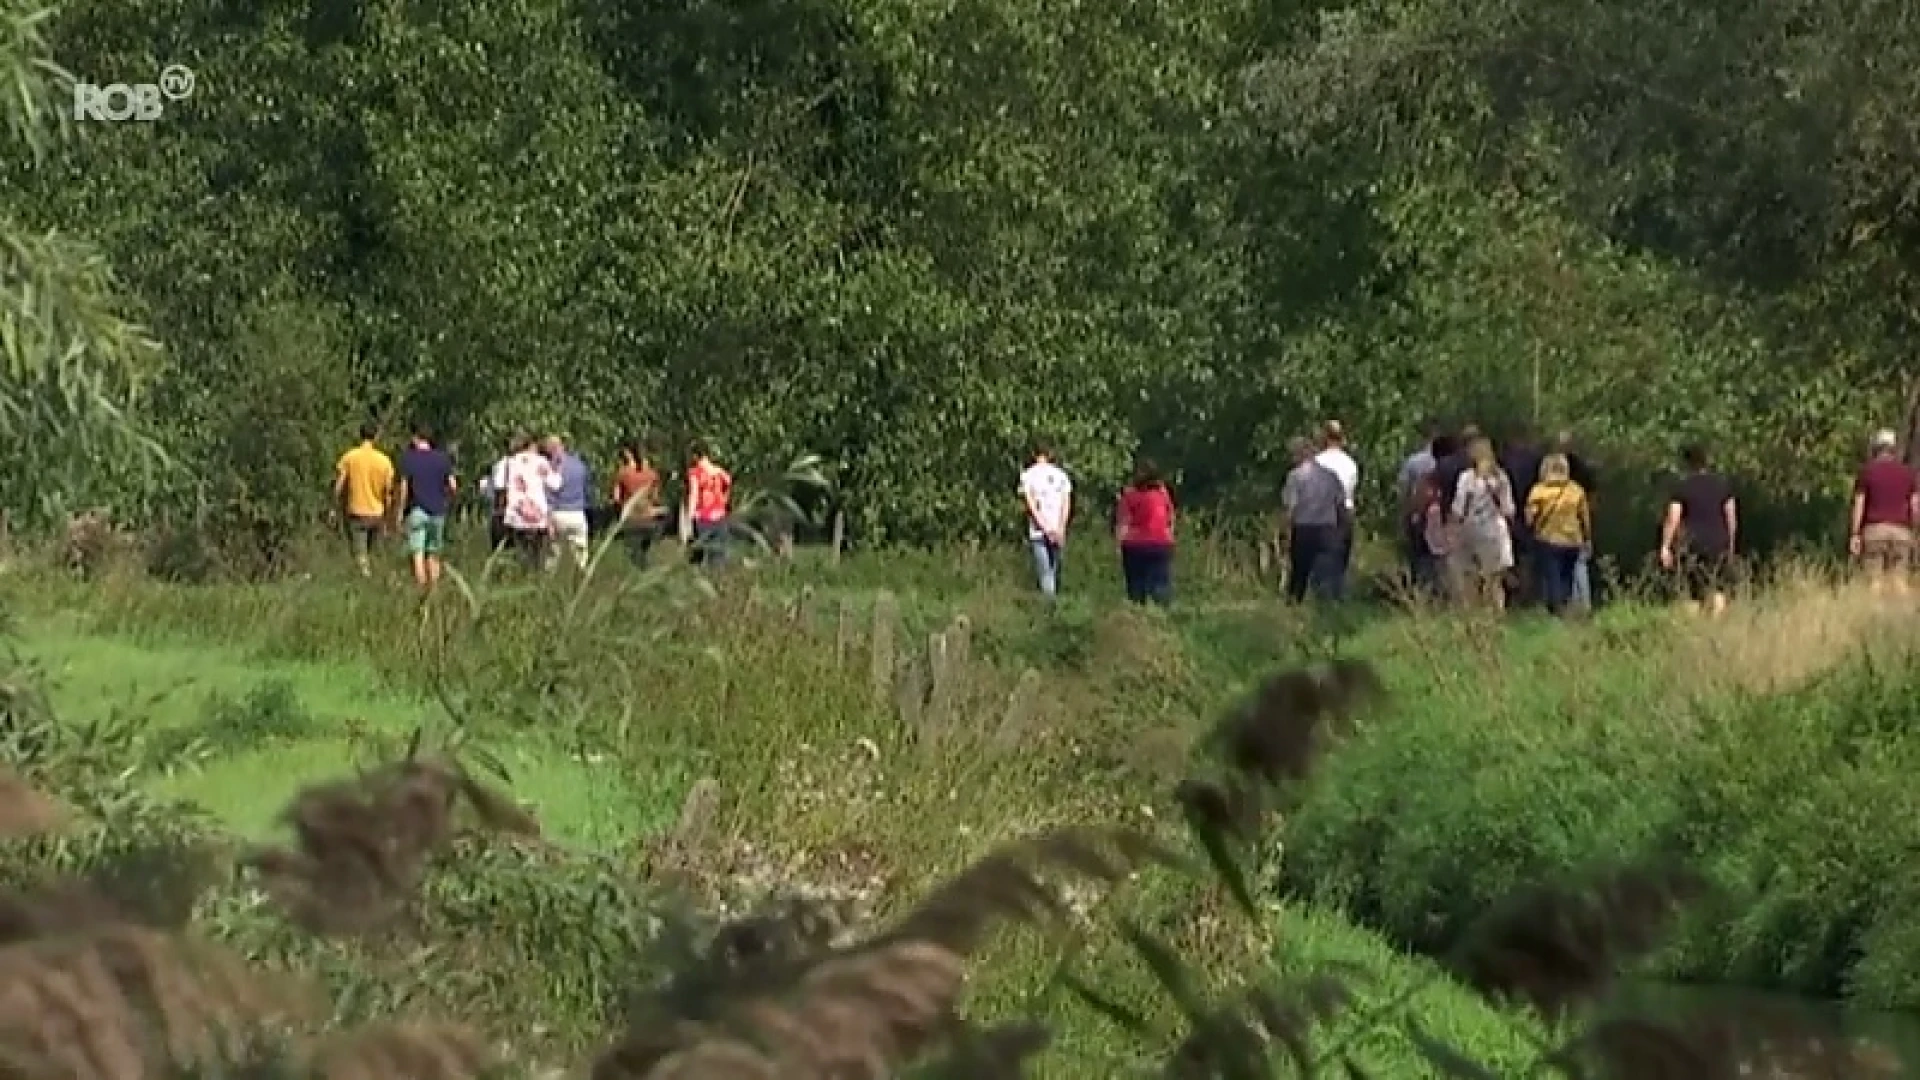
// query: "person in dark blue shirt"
[[427, 486]]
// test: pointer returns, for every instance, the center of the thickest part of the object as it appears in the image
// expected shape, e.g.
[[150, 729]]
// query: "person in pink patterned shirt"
[[526, 483]]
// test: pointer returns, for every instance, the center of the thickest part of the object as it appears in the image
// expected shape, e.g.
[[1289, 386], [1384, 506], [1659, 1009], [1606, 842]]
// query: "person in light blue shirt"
[[569, 503]]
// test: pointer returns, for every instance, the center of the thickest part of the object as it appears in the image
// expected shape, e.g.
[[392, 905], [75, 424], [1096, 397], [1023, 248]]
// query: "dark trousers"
[[1555, 567], [1316, 559], [709, 543], [638, 538], [1149, 573], [497, 533]]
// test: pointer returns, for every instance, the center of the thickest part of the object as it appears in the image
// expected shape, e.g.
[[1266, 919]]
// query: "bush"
[[1795, 805]]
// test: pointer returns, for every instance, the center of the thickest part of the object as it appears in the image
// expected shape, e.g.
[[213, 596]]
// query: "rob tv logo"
[[132, 101]]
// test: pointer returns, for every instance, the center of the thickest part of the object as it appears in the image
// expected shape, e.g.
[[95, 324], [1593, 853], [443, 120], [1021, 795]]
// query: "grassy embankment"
[[606, 705]]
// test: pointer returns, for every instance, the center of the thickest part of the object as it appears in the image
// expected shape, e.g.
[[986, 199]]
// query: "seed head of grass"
[[1554, 947], [362, 845]]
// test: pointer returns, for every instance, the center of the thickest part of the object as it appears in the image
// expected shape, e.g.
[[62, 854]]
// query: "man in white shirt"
[[1334, 458], [492, 490], [1048, 494]]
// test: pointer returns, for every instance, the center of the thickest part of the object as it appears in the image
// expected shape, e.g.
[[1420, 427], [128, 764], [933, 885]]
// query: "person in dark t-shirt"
[[1702, 512], [1448, 470], [427, 488]]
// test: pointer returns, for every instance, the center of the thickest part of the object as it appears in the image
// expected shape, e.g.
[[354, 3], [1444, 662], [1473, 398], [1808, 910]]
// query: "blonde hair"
[[1480, 450], [1554, 469]]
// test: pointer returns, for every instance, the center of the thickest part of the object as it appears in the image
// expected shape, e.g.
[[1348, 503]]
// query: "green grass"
[[604, 706], [180, 688]]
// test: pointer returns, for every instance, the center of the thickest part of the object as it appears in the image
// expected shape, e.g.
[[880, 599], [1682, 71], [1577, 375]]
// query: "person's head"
[[1468, 434], [1885, 443], [1444, 446], [1480, 452], [553, 446], [1694, 457], [1555, 469], [521, 442], [630, 454], [369, 432], [422, 434], [1300, 450], [1332, 435], [700, 451], [1563, 442], [1146, 474], [1041, 452]]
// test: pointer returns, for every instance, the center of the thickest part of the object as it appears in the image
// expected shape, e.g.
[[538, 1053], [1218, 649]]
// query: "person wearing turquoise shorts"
[[427, 487]]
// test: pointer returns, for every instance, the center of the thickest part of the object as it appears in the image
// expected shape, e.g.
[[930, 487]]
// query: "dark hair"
[[632, 450], [1146, 474], [423, 432], [521, 440], [699, 449], [369, 431], [1042, 449], [1694, 455], [1444, 446]]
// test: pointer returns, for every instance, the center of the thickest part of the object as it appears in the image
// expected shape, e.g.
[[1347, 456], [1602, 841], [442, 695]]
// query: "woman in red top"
[[709, 495], [1143, 524], [636, 502]]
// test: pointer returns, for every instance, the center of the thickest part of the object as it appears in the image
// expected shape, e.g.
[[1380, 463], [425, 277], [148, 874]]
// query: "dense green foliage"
[[1795, 803], [912, 238]]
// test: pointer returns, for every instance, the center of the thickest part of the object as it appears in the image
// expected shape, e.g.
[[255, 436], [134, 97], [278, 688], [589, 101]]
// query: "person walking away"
[[1450, 468], [1561, 523], [1314, 502], [1143, 526], [570, 526], [1699, 533], [363, 489], [1334, 458], [1047, 493], [427, 487], [1435, 536], [636, 498], [527, 487], [1417, 496], [493, 489], [1483, 506], [709, 493], [1520, 459], [1886, 508], [1582, 472]]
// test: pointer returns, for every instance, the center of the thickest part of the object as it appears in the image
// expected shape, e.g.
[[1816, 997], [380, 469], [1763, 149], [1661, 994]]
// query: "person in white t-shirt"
[[1048, 494], [1334, 458], [525, 484]]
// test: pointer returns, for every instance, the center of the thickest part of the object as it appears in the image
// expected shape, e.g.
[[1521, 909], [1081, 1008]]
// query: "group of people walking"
[[539, 498], [1481, 524]]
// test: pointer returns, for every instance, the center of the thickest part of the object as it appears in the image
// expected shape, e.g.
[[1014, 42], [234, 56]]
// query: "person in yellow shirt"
[[1561, 518], [363, 488]]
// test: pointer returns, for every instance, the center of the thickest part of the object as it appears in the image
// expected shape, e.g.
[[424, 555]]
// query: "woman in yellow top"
[[1562, 522]]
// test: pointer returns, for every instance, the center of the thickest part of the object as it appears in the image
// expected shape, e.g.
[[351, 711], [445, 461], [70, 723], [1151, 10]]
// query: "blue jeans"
[[1558, 567], [1318, 555], [1149, 574], [1046, 564], [709, 543], [1582, 583]]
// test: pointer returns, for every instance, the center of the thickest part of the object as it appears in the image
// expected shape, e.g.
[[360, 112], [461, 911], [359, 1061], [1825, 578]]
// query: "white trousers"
[[570, 529]]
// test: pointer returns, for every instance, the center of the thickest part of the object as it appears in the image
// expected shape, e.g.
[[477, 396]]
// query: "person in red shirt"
[[1143, 524], [709, 493], [1886, 507]]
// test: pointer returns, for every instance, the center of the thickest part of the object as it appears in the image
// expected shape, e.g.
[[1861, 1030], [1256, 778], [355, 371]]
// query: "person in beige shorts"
[[1886, 506]]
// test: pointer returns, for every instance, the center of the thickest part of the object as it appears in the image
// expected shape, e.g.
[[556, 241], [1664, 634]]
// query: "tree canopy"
[[914, 237]]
